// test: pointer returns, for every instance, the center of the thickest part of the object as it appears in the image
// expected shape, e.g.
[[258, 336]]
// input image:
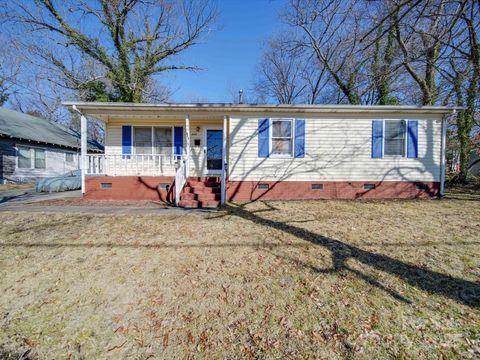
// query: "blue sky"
[[229, 55]]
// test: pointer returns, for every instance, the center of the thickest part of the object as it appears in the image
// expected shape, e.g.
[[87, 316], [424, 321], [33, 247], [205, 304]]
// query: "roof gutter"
[[97, 108]]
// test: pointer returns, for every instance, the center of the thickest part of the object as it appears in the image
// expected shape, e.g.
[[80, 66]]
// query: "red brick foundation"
[[302, 190], [147, 188], [129, 188]]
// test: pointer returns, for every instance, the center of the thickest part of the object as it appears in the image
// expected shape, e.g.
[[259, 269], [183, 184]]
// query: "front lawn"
[[326, 279]]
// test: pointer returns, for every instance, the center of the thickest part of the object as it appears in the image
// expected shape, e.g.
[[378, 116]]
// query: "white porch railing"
[[128, 165], [181, 177]]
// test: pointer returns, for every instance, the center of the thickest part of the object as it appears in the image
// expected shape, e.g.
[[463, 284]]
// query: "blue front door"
[[214, 151]]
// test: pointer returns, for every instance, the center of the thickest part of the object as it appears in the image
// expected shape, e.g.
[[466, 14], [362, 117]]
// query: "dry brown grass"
[[327, 279], [23, 186], [102, 203]]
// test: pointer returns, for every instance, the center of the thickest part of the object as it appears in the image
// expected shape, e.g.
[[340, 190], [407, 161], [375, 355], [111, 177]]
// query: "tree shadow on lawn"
[[462, 291]]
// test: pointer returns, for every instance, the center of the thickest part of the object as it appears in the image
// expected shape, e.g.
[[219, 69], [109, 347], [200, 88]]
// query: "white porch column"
[[83, 146], [223, 179], [83, 136], [187, 144]]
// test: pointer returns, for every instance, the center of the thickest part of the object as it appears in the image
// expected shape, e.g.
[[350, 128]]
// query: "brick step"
[[203, 183], [208, 197], [199, 189], [195, 204], [189, 204], [188, 196], [210, 204], [199, 196]]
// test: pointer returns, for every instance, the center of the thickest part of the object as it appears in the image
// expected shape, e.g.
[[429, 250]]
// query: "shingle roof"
[[23, 126]]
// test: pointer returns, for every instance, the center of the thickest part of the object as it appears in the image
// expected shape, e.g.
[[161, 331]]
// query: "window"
[[282, 137], [263, 186], [24, 161], [69, 157], [152, 140], [105, 185], [142, 140], [395, 137], [317, 186], [369, 186], [163, 140], [39, 159]]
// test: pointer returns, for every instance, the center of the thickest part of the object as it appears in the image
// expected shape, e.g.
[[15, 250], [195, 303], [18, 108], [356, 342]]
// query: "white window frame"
[[405, 133], [152, 137], [292, 132]]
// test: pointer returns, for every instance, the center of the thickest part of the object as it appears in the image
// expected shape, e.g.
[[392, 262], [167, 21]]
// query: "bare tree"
[[383, 66], [421, 35], [9, 72], [128, 40], [463, 73], [331, 29], [280, 72]]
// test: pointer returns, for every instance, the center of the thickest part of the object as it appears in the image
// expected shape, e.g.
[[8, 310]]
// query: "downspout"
[[443, 153], [223, 179], [83, 145]]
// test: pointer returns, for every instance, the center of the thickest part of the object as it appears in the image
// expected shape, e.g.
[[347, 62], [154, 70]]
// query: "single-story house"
[[31, 147], [206, 153]]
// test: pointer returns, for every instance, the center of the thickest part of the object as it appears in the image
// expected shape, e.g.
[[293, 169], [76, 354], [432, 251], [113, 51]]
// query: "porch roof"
[[105, 110]]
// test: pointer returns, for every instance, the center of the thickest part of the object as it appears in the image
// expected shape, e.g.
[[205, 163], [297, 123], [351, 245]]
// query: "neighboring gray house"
[[31, 147]]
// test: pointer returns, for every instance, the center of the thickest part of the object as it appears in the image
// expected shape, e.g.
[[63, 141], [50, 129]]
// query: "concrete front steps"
[[201, 192]]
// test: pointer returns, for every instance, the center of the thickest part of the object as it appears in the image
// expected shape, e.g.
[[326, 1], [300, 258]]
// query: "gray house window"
[[163, 140], [39, 159], [282, 137], [24, 161], [395, 137], [142, 140], [152, 140], [69, 157]]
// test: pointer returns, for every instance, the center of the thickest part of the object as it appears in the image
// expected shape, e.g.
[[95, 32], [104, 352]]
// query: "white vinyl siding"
[[336, 149]]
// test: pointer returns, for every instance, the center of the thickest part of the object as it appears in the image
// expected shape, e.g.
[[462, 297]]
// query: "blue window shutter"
[[412, 139], [377, 139], [299, 138], [177, 141], [126, 141], [263, 137]]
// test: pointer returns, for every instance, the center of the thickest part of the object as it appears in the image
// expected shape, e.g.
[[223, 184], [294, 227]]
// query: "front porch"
[[158, 157]]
